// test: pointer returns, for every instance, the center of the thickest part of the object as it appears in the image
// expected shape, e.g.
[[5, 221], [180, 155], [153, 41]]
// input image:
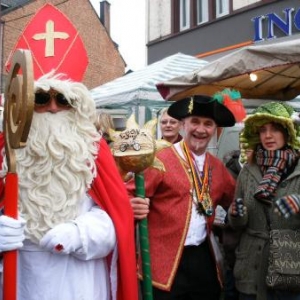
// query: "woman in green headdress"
[[267, 196]]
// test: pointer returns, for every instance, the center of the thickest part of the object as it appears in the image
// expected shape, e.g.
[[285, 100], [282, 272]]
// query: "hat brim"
[[253, 122], [210, 109]]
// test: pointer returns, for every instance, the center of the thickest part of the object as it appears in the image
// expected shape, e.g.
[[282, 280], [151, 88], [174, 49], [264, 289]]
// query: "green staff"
[[134, 150], [144, 242]]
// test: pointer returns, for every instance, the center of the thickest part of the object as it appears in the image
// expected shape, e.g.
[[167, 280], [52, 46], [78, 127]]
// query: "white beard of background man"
[[62, 233]]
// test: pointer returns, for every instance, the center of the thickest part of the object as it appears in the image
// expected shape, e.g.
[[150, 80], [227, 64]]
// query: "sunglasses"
[[43, 98]]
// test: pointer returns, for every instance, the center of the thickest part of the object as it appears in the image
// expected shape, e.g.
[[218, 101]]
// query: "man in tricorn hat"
[[180, 204]]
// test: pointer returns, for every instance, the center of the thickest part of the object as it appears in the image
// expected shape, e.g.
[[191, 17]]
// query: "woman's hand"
[[288, 205], [140, 207], [237, 208]]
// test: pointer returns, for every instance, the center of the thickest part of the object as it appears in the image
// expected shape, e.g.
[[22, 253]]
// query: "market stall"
[[136, 92], [268, 71]]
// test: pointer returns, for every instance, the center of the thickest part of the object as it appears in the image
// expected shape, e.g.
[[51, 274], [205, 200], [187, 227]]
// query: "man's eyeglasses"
[[43, 98]]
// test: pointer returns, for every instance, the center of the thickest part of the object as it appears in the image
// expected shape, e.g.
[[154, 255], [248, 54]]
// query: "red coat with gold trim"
[[170, 193]]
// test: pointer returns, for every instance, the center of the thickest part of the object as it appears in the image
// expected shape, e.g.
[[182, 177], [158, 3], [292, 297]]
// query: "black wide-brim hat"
[[202, 106]]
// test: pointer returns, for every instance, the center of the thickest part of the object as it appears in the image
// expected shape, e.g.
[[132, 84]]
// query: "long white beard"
[[55, 169]]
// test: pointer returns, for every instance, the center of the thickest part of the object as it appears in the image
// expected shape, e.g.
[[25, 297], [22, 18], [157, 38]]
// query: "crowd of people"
[[75, 232]]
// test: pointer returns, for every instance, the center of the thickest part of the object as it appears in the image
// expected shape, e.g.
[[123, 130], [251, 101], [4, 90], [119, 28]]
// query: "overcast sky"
[[127, 28]]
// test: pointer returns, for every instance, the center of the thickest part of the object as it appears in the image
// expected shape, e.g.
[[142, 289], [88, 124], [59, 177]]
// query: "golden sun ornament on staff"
[[134, 151]]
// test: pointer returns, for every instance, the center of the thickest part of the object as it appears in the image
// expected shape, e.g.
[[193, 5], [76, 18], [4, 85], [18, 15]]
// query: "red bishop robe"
[[108, 190]]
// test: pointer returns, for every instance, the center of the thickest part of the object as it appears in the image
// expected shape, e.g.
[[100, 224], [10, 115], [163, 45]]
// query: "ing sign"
[[272, 20]]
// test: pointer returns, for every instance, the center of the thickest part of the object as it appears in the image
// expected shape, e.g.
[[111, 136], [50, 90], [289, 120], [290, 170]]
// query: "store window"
[[222, 8], [202, 11], [184, 14]]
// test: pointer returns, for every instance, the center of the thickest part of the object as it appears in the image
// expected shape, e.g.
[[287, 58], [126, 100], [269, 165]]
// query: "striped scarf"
[[273, 164]]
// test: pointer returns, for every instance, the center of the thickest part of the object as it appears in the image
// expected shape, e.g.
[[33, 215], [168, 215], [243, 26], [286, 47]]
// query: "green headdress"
[[277, 112]]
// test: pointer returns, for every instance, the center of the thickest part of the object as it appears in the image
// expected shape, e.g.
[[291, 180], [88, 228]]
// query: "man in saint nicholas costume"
[[74, 233]]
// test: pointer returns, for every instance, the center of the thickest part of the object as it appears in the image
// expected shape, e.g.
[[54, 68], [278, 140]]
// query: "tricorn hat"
[[202, 106]]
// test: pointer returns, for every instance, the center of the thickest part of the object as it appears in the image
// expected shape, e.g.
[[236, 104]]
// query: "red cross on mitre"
[[54, 43]]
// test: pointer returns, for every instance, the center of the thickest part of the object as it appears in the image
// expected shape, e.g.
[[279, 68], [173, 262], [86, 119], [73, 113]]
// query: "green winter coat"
[[252, 252]]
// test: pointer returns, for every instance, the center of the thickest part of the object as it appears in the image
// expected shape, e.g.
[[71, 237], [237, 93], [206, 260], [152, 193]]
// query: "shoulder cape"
[[108, 191]]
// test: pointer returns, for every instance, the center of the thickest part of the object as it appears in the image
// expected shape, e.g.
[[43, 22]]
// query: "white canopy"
[[276, 65], [139, 87]]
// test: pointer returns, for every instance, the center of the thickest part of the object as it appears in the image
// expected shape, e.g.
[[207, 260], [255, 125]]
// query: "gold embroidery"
[[191, 106]]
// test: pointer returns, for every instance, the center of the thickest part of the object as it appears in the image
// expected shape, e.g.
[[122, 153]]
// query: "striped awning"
[[139, 87]]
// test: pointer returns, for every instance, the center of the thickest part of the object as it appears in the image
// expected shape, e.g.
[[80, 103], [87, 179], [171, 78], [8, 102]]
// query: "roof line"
[[243, 44]]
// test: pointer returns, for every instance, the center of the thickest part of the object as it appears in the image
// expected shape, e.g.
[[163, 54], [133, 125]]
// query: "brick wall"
[[105, 61]]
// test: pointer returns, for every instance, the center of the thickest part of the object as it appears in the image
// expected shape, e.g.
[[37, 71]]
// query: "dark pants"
[[196, 277], [230, 292]]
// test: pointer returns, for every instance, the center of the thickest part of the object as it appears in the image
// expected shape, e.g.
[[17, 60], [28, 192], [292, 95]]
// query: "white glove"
[[11, 233], [220, 215], [63, 239]]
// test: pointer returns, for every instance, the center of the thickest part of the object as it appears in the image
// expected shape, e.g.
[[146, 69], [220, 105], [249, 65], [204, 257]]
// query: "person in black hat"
[[181, 197]]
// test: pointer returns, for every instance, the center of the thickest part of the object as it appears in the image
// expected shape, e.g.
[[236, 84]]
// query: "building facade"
[[210, 28], [103, 59]]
